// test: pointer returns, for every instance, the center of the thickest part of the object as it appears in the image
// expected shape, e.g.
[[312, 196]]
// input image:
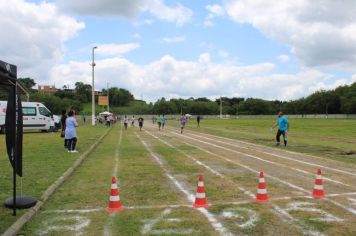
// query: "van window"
[[29, 111], [44, 111]]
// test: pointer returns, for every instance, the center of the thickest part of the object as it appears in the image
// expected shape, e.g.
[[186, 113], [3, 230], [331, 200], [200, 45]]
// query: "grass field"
[[157, 173]]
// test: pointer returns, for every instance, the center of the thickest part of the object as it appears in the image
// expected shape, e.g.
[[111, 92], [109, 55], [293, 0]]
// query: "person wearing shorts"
[[126, 122], [159, 122], [182, 121], [283, 126], [140, 122]]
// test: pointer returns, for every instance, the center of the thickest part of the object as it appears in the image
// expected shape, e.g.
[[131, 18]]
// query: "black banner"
[[13, 124]]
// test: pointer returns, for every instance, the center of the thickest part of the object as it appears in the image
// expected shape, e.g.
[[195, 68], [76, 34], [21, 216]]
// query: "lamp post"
[[107, 85], [93, 89]]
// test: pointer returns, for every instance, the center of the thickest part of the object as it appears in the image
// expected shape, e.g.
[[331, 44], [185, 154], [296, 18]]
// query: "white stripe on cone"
[[200, 195], [113, 186], [201, 184], [114, 198], [319, 177], [261, 180], [262, 191], [318, 187]]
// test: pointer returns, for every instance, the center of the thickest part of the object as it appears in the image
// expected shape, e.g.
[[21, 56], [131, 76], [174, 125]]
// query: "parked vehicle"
[[36, 116]]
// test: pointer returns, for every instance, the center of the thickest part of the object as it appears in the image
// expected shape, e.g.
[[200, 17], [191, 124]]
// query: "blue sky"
[[159, 48]]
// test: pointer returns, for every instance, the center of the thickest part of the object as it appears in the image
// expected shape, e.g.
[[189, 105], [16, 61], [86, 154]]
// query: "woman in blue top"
[[283, 126], [70, 132]]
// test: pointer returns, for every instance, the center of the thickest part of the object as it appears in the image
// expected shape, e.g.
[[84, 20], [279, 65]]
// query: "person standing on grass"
[[126, 122], [63, 125], [198, 121], [71, 133], [182, 121], [164, 120], [140, 122], [283, 127], [159, 122]]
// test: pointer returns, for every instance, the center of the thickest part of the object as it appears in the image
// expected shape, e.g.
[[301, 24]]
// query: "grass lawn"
[[148, 170], [44, 160]]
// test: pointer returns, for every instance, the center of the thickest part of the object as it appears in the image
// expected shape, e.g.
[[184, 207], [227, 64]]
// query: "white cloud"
[[177, 14], [320, 32], [33, 35], [223, 54], [168, 77], [283, 58], [177, 39], [214, 11], [116, 49]]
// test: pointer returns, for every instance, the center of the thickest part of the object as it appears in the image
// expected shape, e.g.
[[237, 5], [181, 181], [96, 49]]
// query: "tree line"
[[341, 100]]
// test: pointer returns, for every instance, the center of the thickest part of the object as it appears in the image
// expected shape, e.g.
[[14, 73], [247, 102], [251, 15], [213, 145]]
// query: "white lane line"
[[277, 164], [107, 227], [248, 193], [281, 157], [272, 177], [213, 221], [299, 227]]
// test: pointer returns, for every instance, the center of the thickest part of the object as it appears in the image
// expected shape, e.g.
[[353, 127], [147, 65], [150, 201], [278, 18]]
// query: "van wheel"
[[2, 130]]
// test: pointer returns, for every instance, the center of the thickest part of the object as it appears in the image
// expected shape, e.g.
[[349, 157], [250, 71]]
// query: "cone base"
[[109, 209], [266, 200], [200, 205]]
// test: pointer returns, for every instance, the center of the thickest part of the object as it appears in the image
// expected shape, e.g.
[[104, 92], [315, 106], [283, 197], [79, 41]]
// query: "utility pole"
[[107, 86], [93, 89], [220, 108]]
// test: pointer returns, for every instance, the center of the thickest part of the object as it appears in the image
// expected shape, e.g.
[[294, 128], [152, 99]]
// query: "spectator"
[[70, 132], [63, 125]]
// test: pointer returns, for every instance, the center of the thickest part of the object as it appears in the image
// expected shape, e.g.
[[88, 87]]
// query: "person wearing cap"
[[283, 127]]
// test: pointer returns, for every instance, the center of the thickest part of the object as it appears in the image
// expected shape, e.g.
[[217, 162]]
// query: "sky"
[[282, 49]]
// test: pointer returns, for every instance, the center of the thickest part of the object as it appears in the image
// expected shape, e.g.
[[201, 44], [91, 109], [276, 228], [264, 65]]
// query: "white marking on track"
[[80, 211], [250, 194], [311, 207], [148, 228], [213, 221], [241, 214], [281, 157], [272, 177], [107, 227], [353, 201], [286, 217], [204, 165], [77, 226]]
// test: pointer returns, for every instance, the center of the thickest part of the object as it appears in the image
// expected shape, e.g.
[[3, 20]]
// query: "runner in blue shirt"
[[283, 126]]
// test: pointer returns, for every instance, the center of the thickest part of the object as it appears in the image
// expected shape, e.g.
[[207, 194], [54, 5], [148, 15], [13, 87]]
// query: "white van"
[[36, 116]]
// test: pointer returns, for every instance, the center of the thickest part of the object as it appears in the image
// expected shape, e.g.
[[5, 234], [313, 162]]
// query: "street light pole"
[[93, 89], [107, 85]]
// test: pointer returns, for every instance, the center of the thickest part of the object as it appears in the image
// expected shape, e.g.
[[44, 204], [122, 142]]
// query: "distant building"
[[46, 89]]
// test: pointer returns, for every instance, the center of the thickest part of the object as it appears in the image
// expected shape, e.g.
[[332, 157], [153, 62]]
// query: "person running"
[[182, 121], [164, 121], [198, 121], [140, 122], [283, 127], [126, 122], [133, 121], [159, 122], [70, 133]]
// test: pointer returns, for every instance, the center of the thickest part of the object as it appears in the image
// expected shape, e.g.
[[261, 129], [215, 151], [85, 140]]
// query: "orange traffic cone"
[[200, 199], [318, 191], [114, 203], [261, 195]]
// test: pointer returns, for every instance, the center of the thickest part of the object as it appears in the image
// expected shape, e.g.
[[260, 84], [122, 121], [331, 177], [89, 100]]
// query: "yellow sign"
[[103, 100]]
